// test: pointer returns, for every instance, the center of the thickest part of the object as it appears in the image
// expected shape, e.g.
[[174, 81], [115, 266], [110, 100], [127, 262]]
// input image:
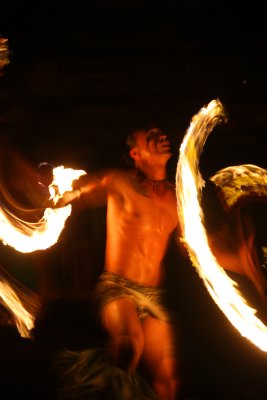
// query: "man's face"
[[153, 141]]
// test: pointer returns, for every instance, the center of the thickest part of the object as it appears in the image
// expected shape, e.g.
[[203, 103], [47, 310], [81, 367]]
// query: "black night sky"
[[82, 75]]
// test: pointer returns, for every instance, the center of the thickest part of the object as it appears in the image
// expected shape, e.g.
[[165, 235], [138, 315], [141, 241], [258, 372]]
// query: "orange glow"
[[189, 184], [24, 320], [4, 53], [26, 236]]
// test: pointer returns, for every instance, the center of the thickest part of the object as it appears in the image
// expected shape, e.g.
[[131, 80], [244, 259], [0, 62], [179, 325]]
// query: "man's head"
[[148, 145], [45, 173]]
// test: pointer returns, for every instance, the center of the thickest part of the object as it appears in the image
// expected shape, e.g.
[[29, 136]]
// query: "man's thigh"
[[121, 317]]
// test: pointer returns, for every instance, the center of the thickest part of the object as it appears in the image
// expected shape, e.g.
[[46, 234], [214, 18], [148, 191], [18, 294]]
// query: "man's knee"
[[129, 351]]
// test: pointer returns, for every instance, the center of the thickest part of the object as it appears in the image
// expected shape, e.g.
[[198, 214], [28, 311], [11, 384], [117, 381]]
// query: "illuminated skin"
[[139, 224], [233, 244], [236, 251]]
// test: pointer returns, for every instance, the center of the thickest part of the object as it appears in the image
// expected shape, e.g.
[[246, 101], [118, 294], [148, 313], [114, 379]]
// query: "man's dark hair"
[[131, 141]]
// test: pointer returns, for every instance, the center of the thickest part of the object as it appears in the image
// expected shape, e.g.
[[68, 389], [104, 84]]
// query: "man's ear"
[[133, 153]]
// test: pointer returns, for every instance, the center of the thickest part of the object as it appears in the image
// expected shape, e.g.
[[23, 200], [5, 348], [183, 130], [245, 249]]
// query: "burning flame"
[[26, 236], [24, 320], [189, 183], [22, 304]]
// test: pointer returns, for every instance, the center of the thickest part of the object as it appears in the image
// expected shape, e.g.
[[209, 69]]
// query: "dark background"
[[82, 74]]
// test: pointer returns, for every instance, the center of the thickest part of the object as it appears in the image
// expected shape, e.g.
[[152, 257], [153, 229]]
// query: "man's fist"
[[67, 198]]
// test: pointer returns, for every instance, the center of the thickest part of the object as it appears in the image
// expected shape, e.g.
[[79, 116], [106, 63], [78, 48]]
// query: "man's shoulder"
[[118, 175]]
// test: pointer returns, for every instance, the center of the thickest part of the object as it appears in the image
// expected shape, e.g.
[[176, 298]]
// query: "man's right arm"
[[67, 198], [87, 186]]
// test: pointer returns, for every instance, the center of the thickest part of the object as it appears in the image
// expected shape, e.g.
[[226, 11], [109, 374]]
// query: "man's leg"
[[126, 340], [160, 358]]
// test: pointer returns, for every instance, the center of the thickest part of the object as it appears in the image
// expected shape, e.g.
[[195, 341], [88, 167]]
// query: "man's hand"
[[67, 198]]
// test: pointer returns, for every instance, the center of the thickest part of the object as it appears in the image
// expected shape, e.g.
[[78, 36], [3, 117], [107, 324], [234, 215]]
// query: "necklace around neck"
[[158, 186]]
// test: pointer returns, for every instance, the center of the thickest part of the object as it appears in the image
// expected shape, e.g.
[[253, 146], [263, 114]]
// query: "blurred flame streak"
[[26, 236], [189, 183], [4, 54], [23, 319]]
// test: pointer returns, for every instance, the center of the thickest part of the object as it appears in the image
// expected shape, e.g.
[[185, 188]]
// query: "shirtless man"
[[141, 216]]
